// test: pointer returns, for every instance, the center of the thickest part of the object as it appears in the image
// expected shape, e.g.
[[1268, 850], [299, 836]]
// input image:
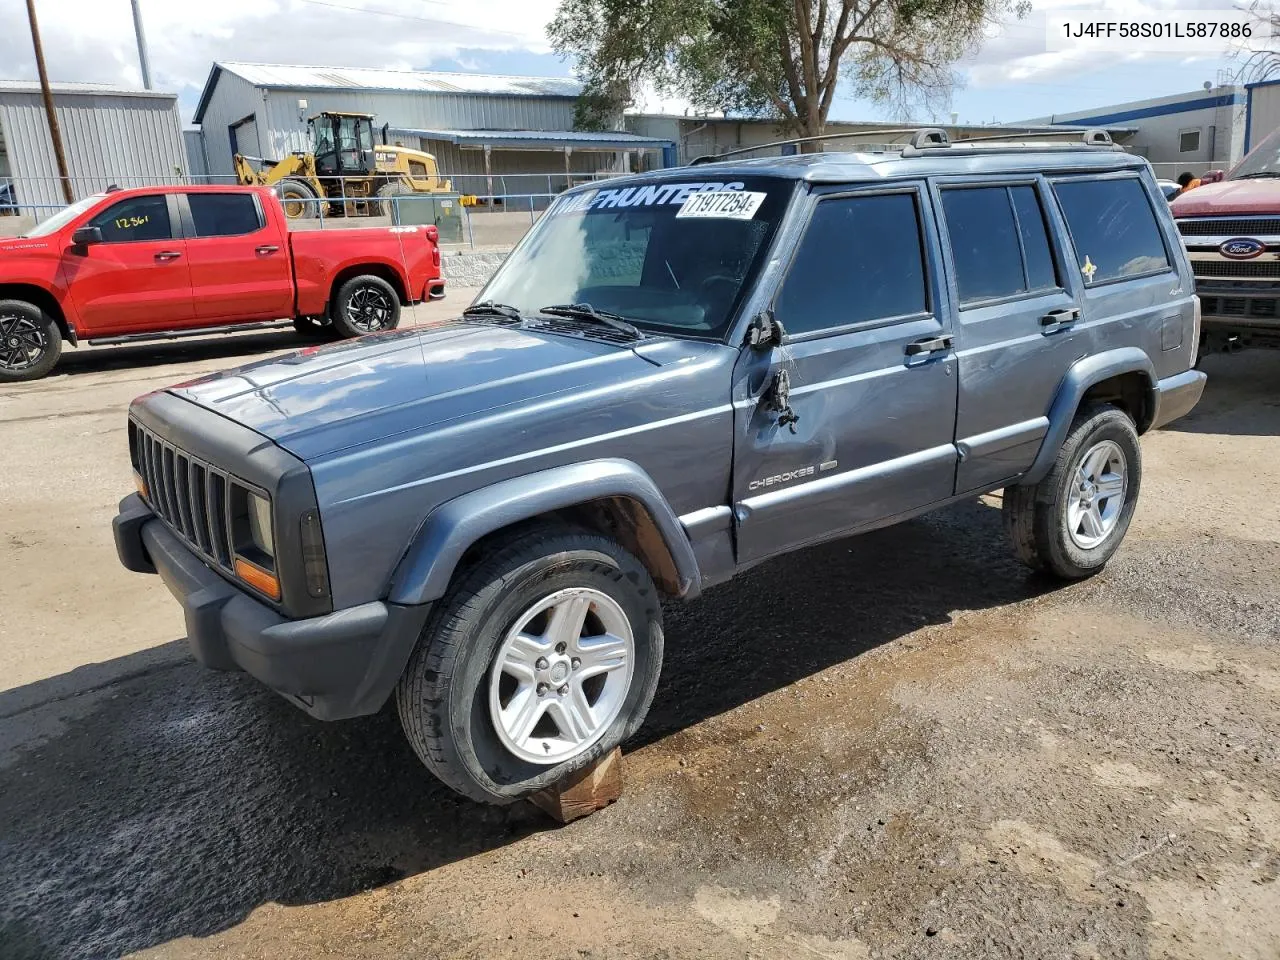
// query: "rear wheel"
[[364, 304], [298, 199], [1073, 521], [542, 658], [30, 342]]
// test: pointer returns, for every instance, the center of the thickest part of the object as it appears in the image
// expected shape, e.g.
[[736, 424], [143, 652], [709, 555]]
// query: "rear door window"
[[224, 214], [999, 243], [1113, 228], [861, 259], [135, 219]]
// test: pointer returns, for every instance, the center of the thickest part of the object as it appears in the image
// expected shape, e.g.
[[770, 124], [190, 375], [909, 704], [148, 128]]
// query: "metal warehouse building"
[[474, 124], [126, 137], [1193, 131]]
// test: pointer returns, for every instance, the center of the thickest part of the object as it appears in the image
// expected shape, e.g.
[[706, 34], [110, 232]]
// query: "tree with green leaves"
[[774, 58]]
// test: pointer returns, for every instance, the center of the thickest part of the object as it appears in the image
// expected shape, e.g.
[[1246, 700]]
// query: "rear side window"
[[224, 214], [861, 259], [1113, 228], [998, 242], [135, 219]]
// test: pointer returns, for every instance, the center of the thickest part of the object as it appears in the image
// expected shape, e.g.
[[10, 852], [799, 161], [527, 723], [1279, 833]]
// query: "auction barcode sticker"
[[1144, 30], [726, 204]]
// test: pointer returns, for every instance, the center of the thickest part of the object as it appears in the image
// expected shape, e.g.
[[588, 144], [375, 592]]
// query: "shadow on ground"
[[1242, 397], [176, 800], [235, 348]]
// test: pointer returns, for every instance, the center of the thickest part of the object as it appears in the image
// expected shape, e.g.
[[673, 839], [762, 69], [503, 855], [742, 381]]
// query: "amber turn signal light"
[[140, 484], [256, 577]]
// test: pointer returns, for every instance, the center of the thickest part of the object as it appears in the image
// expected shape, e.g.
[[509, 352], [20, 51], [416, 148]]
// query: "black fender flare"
[[424, 572], [1082, 375]]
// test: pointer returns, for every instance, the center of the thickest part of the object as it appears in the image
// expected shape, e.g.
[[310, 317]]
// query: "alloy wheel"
[[561, 675], [368, 309], [1096, 496], [23, 342]]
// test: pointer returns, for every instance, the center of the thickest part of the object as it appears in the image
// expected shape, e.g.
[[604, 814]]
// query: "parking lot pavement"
[[900, 745]]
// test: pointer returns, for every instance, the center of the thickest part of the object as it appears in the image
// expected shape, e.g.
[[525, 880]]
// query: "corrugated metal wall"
[[197, 166], [281, 131], [1264, 112], [108, 138], [233, 99]]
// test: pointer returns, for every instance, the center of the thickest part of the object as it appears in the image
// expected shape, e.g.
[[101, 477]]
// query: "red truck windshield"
[[63, 217], [1262, 161], [673, 257]]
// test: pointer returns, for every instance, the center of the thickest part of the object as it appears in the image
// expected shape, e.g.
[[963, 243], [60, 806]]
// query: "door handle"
[[1060, 317], [268, 248], [164, 256], [928, 345]]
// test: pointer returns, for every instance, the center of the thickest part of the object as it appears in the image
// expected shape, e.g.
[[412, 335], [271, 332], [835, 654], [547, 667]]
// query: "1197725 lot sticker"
[[726, 204]]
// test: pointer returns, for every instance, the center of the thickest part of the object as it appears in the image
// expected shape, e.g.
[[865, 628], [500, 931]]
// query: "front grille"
[[189, 495], [1263, 307], [1235, 227], [1269, 269]]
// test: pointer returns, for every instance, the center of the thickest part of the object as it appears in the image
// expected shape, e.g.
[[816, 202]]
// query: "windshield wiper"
[[585, 311], [488, 308], [1257, 174]]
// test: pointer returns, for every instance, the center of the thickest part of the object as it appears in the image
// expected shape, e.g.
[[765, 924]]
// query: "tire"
[[382, 207], [450, 698], [364, 304], [1047, 521], [298, 199], [311, 327], [30, 342]]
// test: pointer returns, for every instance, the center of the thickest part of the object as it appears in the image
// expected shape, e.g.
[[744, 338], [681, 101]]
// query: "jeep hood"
[[1253, 197], [324, 399]]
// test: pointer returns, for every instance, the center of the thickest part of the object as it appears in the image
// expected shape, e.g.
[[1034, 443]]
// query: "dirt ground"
[[895, 746]]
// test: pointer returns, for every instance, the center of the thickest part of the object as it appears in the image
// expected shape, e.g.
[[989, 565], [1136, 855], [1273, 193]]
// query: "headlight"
[[260, 524]]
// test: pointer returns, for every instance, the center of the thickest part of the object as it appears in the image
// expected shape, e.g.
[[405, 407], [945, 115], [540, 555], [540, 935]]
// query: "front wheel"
[[365, 304], [1073, 521], [30, 342], [542, 658]]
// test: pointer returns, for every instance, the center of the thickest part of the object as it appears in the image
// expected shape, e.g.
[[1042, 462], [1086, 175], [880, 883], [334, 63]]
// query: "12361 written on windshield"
[[1155, 31]]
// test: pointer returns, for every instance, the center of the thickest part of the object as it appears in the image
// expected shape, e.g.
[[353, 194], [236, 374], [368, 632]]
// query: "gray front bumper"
[[342, 664]]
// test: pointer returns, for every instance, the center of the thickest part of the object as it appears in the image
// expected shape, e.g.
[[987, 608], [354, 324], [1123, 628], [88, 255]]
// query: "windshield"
[[1262, 161], [64, 216], [670, 257]]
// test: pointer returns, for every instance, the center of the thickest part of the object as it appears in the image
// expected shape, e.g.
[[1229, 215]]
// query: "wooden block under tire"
[[585, 791]]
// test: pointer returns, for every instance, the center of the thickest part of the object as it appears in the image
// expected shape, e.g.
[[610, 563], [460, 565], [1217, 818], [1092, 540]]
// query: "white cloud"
[[92, 40]]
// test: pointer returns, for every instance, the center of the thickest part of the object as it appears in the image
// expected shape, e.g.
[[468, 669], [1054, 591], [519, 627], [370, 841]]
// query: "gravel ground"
[[895, 746]]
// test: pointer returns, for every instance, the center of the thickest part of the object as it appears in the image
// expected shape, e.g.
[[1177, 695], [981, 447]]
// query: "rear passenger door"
[[239, 264], [1018, 313], [872, 374]]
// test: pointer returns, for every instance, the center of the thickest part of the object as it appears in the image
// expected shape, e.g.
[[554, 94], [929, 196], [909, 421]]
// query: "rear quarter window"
[[1113, 228]]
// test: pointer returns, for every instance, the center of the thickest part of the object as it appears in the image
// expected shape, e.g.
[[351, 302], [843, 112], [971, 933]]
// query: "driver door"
[[872, 380], [138, 277]]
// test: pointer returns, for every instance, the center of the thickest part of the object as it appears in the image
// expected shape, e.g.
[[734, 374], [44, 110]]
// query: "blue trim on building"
[[1248, 114], [1162, 110], [1261, 83]]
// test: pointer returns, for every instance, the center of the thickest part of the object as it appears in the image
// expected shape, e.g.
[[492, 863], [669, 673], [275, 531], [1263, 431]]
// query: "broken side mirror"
[[766, 332]]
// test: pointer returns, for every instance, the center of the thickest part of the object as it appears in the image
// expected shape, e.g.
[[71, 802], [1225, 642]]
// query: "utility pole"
[[141, 34], [52, 116]]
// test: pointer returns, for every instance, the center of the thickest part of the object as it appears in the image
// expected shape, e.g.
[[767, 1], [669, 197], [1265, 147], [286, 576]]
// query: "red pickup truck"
[[166, 262]]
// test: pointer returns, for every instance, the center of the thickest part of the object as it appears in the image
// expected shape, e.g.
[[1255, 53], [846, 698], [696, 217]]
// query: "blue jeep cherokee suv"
[[673, 377]]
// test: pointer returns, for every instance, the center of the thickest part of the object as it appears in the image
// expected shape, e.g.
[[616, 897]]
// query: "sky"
[[1011, 77]]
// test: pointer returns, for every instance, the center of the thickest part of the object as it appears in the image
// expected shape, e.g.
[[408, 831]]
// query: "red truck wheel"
[[365, 304], [30, 342]]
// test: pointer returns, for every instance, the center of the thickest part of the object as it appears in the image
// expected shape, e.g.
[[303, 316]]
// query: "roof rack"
[[936, 141]]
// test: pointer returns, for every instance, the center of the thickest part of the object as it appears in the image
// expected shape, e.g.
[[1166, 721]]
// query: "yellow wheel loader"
[[352, 175]]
